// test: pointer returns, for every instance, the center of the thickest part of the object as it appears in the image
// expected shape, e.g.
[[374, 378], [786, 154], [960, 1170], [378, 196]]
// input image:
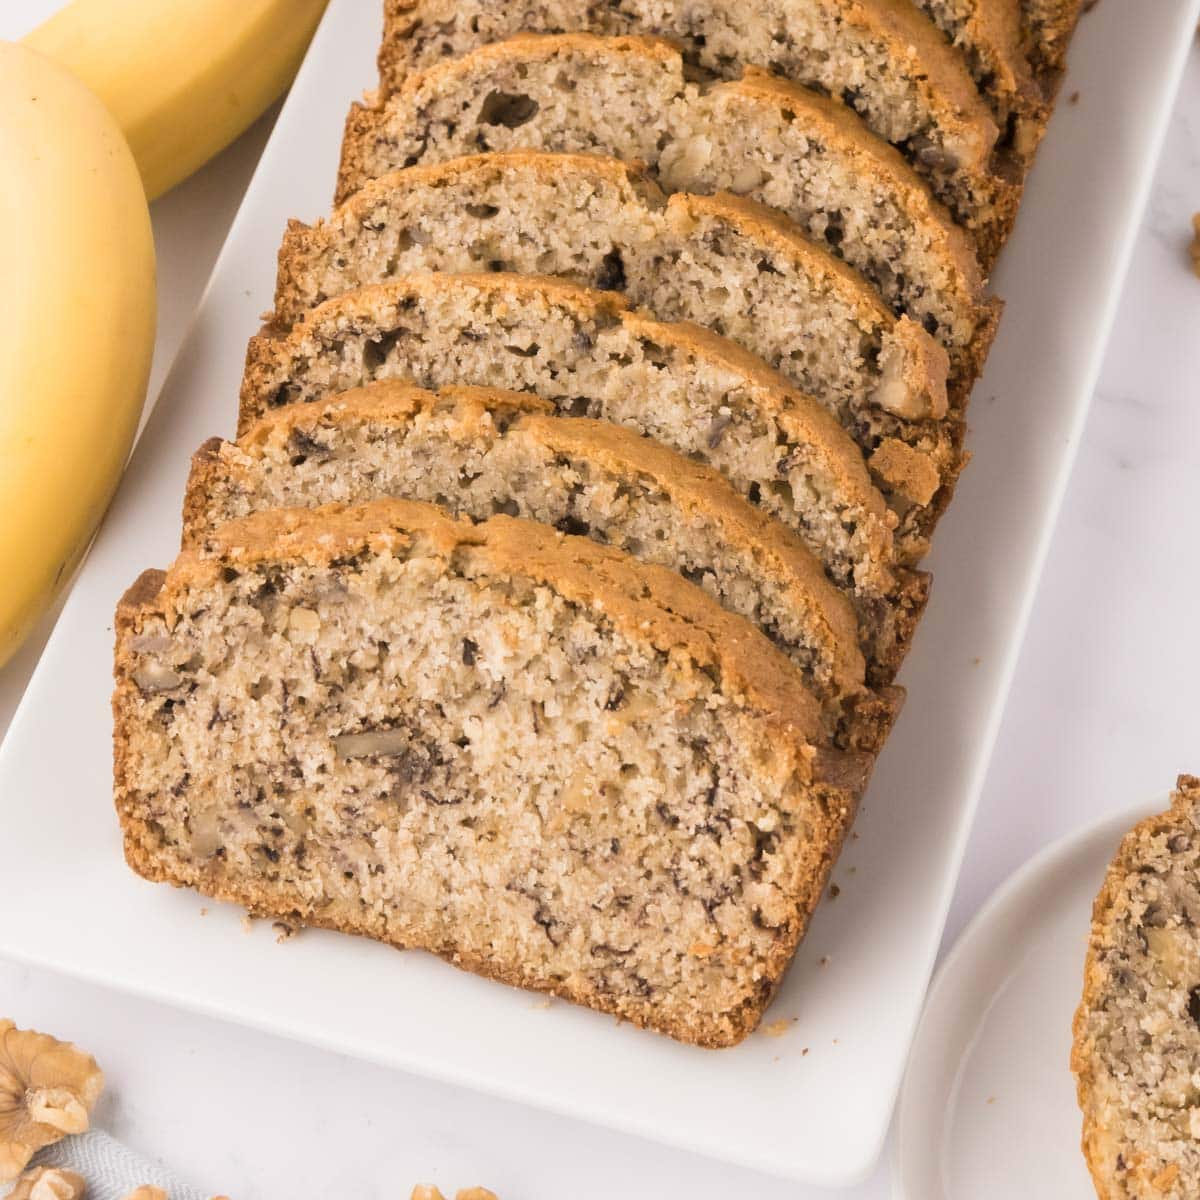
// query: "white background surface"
[[1100, 715]]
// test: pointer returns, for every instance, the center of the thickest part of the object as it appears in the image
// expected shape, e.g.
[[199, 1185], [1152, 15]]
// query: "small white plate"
[[814, 1104], [987, 1110]]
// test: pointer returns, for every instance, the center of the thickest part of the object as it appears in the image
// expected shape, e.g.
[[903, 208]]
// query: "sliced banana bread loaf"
[[762, 138], [478, 451], [1136, 1053], [730, 264], [584, 350], [884, 58], [527, 753]]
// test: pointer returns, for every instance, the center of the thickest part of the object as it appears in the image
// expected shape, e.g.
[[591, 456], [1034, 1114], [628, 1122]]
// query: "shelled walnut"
[[48, 1183], [48, 1089]]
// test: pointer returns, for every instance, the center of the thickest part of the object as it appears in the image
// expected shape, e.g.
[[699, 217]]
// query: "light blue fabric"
[[110, 1168]]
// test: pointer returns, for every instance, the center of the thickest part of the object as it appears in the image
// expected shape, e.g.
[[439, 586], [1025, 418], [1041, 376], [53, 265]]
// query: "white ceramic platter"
[[988, 1111], [813, 1103]]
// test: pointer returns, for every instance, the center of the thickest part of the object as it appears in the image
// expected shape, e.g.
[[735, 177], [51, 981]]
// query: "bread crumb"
[[284, 931], [778, 1028], [991, 1099], [1194, 248], [247, 923], [1073, 98], [544, 1003], [834, 891], [203, 911], [804, 1052], [823, 961]]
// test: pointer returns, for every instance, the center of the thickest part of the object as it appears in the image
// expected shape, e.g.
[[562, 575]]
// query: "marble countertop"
[[1102, 712]]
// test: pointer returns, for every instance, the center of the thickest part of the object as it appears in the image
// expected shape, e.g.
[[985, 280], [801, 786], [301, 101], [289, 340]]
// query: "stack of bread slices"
[[545, 612]]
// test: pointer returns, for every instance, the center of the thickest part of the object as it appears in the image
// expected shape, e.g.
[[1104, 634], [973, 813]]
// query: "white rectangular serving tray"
[[813, 1102]]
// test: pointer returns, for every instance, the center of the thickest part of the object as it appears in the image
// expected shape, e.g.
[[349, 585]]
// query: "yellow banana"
[[77, 311], [183, 78]]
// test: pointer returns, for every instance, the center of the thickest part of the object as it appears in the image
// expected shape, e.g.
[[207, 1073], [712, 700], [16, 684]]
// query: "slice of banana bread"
[[1136, 1051], [527, 753], [733, 265], [884, 58], [761, 138], [478, 451]]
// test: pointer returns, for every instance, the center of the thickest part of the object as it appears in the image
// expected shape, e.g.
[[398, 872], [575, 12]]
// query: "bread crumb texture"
[[1136, 1052], [524, 752]]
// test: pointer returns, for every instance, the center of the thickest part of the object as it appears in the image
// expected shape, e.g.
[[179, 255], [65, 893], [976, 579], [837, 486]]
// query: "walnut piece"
[[48, 1183], [47, 1090], [147, 1192]]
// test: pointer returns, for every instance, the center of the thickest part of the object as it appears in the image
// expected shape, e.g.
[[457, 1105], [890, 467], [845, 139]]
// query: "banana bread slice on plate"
[[588, 353], [739, 268], [761, 137], [1136, 1052], [525, 752], [884, 58], [479, 451]]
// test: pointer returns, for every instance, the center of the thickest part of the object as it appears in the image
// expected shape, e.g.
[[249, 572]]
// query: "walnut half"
[[48, 1089]]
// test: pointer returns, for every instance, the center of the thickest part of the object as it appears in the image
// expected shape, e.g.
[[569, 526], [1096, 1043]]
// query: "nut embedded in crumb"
[[47, 1090], [778, 1028], [48, 1183]]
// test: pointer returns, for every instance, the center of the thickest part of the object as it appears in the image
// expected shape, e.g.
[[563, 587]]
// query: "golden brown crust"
[[1125, 862]]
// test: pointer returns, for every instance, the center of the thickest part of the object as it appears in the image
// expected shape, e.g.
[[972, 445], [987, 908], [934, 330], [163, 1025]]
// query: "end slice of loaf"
[[1136, 1052], [735, 266], [884, 58], [588, 353], [477, 451], [526, 753], [761, 138]]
